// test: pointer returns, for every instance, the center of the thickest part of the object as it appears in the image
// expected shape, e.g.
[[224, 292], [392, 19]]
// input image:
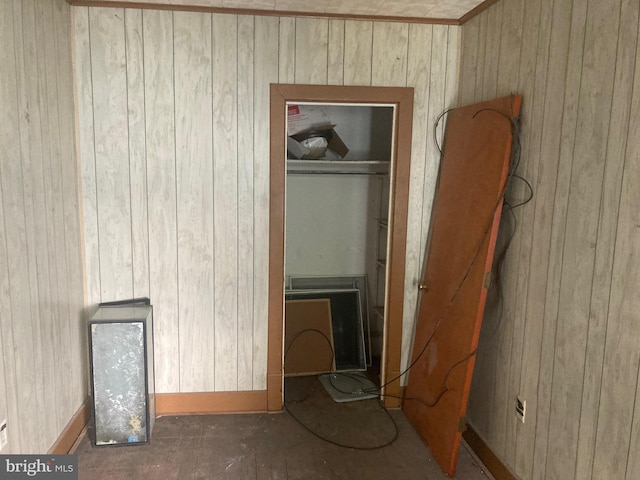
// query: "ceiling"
[[420, 10]]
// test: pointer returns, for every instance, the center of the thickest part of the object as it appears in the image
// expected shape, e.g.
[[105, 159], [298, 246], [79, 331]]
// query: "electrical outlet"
[[3, 434], [521, 408]]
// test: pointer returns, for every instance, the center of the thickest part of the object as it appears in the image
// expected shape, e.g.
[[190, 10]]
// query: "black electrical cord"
[[514, 162], [344, 445], [445, 388], [316, 434], [507, 207]]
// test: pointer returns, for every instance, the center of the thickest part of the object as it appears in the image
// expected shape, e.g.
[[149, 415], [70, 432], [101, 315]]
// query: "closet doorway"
[[401, 102]]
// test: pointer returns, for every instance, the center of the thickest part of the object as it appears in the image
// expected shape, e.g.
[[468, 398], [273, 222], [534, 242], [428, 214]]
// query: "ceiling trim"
[[274, 13], [474, 12], [285, 13]]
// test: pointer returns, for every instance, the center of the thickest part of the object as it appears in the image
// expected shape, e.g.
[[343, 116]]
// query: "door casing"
[[402, 99]]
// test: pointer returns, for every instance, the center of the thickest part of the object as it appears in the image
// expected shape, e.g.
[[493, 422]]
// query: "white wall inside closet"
[[333, 217], [174, 142]]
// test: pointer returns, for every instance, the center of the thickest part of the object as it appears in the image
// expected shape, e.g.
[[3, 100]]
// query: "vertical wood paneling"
[[483, 33], [65, 207], [510, 41], [108, 62], [86, 147], [558, 227], [453, 66], [34, 207], [137, 152], [165, 50], [9, 399], [469, 61], [161, 194], [265, 72], [389, 65], [569, 323], [540, 244], [358, 46], [335, 53], [492, 51], [76, 359], [311, 50], [194, 195], [51, 334], [43, 381], [17, 333], [613, 448], [582, 222], [419, 75], [245, 201], [54, 186], [225, 192], [511, 361], [596, 395], [287, 50]]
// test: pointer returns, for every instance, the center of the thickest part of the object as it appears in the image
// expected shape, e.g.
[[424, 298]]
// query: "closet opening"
[[338, 203]]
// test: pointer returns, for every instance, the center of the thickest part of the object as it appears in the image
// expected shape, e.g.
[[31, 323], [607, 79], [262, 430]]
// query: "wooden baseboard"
[[211, 402], [72, 431], [498, 469]]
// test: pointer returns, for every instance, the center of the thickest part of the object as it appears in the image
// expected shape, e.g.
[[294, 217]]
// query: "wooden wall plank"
[[71, 203], [578, 254], [33, 186], [596, 394], [194, 196], [492, 51], [9, 404], [265, 72], [483, 21], [511, 42], [225, 191], [86, 151], [511, 359], [453, 66], [419, 75], [335, 53], [50, 332], [287, 50], [137, 151], [108, 61], [558, 228], [389, 65], [627, 198], [621, 358], [358, 46], [76, 352], [40, 288], [311, 51], [161, 193], [11, 192], [246, 214], [469, 61], [54, 176], [540, 244]]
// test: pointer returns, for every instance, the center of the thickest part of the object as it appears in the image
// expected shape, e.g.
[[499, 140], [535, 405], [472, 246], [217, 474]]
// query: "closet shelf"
[[368, 167]]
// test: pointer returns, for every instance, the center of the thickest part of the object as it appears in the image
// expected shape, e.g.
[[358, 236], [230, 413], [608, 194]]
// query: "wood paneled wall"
[[567, 340], [43, 373], [174, 142]]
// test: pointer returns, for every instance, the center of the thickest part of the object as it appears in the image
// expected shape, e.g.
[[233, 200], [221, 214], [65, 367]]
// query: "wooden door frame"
[[402, 99]]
